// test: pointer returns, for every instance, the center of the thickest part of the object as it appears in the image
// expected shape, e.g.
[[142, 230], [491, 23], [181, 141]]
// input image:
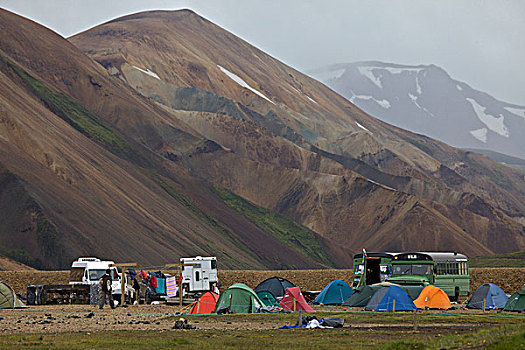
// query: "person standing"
[[105, 285], [136, 287]]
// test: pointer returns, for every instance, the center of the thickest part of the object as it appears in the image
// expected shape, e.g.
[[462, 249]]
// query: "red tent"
[[293, 300], [205, 304]]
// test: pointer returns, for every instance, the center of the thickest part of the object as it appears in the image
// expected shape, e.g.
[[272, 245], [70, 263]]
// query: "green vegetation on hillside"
[[186, 202], [72, 112], [499, 260], [281, 227]]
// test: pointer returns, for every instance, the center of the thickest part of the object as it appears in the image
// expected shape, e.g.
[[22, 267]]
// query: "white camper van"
[[89, 271], [201, 276]]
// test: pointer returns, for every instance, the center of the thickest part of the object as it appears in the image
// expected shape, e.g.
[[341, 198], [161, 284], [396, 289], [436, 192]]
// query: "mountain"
[[275, 120], [159, 134], [426, 100], [72, 184]]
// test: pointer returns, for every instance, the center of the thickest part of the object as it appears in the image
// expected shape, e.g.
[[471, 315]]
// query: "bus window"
[[402, 270], [421, 269]]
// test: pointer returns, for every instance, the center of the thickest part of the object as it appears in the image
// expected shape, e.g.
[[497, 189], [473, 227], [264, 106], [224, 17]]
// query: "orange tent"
[[205, 304], [433, 298]]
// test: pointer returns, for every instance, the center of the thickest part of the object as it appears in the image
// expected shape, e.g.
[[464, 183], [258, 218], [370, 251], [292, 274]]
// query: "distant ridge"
[[425, 99]]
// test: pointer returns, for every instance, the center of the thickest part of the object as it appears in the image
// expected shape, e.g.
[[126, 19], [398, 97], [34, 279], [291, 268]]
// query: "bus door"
[[372, 271]]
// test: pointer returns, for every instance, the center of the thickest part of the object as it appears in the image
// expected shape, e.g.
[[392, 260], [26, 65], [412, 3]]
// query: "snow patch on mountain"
[[362, 127], [242, 83], [311, 99], [383, 103], [308, 97], [331, 74], [418, 87], [493, 123], [369, 73], [394, 70], [459, 88], [414, 99], [148, 72], [516, 111], [480, 134]]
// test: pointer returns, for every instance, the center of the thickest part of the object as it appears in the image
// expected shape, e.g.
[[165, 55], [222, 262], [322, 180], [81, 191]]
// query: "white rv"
[[201, 276], [89, 271]]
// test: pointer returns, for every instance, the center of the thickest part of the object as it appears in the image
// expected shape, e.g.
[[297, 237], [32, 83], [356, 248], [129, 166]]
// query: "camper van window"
[[213, 264], [197, 276], [95, 275], [76, 274]]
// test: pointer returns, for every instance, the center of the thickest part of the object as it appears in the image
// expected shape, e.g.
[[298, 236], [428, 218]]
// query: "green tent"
[[238, 299], [267, 298], [8, 298], [361, 296], [516, 302]]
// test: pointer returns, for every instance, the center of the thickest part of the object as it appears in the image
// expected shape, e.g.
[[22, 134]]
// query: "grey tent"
[[8, 298], [275, 285]]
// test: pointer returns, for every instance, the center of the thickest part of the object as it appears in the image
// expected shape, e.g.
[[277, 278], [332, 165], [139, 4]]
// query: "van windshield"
[[95, 275]]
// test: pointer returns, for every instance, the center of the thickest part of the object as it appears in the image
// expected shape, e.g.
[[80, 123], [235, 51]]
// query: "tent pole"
[[394, 306]]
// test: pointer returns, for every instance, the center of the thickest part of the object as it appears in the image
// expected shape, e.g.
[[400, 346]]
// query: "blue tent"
[[490, 295], [335, 293], [390, 298]]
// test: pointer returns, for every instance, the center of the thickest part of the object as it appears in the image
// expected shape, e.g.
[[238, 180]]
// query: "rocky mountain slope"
[[278, 119], [426, 100], [159, 134], [73, 184]]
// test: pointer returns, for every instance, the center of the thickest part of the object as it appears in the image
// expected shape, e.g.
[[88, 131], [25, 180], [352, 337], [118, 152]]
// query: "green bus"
[[448, 271], [374, 267]]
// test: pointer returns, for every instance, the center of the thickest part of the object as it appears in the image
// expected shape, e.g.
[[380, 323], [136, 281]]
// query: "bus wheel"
[[456, 294]]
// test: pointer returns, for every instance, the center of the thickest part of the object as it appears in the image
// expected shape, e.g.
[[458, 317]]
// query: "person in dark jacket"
[[105, 285], [136, 287]]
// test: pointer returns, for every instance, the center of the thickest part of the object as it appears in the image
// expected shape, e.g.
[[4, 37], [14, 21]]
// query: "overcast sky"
[[480, 42]]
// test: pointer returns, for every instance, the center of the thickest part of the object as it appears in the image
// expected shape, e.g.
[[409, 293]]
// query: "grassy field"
[[367, 331], [500, 260]]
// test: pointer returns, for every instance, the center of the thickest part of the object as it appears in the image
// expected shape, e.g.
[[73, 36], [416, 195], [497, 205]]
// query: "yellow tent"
[[432, 297]]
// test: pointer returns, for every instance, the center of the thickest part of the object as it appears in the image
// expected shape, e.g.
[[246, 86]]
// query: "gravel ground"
[[89, 318]]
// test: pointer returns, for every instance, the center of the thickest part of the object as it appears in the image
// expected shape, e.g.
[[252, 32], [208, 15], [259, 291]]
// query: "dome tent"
[[390, 298], [205, 304], [516, 302], [361, 295], [238, 299], [433, 297], [335, 293], [489, 296], [8, 298], [267, 298], [275, 285]]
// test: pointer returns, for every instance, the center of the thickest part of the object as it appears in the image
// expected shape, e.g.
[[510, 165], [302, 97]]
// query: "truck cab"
[[201, 276], [89, 270]]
